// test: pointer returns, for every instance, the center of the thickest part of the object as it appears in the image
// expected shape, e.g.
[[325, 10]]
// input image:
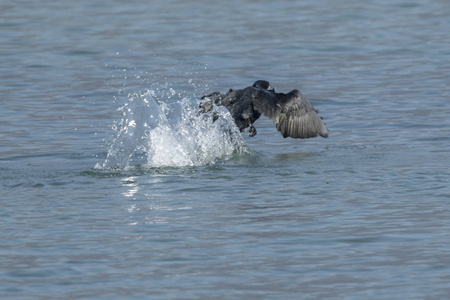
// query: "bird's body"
[[292, 113]]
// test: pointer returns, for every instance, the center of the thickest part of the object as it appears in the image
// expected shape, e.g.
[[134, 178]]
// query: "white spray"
[[157, 134]]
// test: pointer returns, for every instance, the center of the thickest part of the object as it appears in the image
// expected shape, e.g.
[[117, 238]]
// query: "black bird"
[[292, 113]]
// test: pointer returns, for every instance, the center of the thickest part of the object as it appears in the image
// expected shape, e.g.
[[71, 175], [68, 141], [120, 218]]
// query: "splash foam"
[[156, 134]]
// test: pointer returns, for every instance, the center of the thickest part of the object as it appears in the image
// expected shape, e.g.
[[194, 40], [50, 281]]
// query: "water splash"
[[157, 134]]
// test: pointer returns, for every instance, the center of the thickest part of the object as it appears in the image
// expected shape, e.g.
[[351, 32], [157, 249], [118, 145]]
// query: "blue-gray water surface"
[[167, 209]]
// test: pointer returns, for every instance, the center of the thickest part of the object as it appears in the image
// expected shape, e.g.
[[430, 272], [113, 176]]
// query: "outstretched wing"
[[292, 113]]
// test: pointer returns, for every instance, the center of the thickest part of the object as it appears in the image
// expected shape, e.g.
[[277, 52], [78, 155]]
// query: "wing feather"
[[292, 114], [265, 101]]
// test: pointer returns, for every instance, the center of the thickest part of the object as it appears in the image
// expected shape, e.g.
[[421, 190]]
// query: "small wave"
[[157, 134]]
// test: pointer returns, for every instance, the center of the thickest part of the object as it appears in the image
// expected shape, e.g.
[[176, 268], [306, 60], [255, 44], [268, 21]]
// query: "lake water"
[[111, 188]]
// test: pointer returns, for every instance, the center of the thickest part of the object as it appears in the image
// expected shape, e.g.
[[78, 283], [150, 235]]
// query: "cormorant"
[[292, 113]]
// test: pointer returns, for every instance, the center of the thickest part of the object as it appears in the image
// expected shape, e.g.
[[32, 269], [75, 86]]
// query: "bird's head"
[[262, 84]]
